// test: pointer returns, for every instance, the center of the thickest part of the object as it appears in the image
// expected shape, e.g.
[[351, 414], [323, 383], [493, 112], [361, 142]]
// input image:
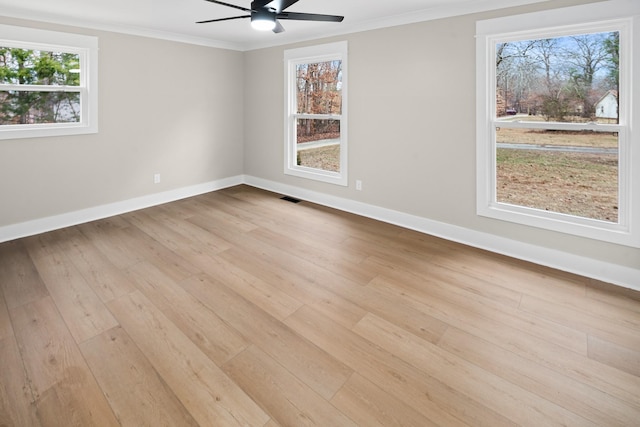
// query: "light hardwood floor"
[[238, 308]]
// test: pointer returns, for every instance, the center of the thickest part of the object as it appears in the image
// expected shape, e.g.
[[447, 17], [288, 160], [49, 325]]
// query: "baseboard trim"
[[607, 272], [43, 225]]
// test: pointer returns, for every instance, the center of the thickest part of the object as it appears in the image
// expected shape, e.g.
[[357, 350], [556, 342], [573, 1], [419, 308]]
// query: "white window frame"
[[293, 57], [614, 15], [86, 47]]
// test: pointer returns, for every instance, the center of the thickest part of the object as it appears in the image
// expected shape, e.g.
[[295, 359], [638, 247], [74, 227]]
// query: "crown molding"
[[117, 28], [429, 14]]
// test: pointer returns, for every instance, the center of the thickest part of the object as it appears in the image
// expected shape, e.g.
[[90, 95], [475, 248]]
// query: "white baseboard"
[[43, 225], [607, 272]]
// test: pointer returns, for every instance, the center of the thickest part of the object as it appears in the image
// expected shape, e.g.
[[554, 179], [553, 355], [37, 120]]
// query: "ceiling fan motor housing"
[[263, 19]]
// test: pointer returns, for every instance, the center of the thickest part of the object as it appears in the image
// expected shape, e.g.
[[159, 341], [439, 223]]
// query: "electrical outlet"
[[156, 178], [358, 185]]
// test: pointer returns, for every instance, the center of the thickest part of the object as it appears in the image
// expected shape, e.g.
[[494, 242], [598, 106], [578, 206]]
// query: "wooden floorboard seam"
[[239, 308]]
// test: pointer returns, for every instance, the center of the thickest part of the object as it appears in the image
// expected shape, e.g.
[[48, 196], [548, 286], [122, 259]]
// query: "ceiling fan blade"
[[229, 5], [279, 28], [309, 17], [259, 4], [222, 19], [280, 5]]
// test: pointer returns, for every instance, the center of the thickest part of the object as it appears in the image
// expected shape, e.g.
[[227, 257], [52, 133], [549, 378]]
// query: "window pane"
[[26, 107], [318, 144], [319, 88], [38, 67], [567, 172], [561, 79]]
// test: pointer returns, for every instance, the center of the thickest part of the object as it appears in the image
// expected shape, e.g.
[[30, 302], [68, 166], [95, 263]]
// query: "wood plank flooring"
[[239, 308]]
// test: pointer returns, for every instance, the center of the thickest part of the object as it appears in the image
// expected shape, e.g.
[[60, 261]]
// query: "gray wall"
[[418, 159], [411, 128], [165, 107]]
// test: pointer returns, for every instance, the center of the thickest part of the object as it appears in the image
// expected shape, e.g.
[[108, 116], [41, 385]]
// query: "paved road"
[[559, 148]]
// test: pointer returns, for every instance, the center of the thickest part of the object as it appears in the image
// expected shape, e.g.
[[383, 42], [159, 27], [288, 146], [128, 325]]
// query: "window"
[[554, 122], [48, 83], [316, 122]]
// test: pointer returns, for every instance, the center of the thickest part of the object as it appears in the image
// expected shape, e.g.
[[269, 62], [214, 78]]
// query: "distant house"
[[607, 106]]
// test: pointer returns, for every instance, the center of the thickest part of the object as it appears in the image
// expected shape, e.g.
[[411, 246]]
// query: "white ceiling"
[[175, 19]]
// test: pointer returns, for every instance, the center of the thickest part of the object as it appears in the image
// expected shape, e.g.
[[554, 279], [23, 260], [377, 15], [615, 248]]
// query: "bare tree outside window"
[[319, 102], [560, 78], [569, 79]]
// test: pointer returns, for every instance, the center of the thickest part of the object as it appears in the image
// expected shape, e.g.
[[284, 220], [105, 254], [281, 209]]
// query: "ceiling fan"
[[264, 14]]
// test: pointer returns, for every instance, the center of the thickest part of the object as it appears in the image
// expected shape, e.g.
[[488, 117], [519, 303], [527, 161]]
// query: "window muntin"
[[47, 89], [561, 84], [318, 115], [554, 142], [316, 123], [46, 86]]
